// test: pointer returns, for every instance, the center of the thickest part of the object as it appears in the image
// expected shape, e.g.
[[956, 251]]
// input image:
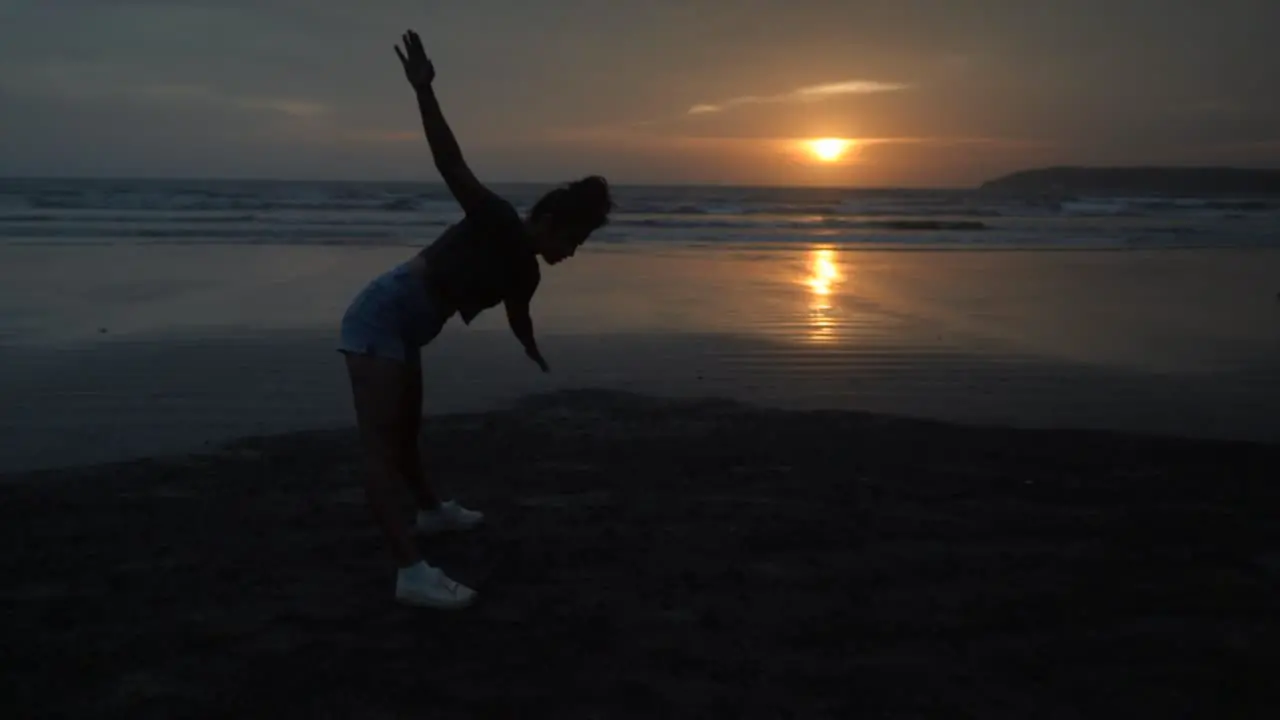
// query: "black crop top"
[[484, 259]]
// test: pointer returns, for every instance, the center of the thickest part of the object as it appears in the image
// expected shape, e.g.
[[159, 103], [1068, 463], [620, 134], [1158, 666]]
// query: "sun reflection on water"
[[823, 277]]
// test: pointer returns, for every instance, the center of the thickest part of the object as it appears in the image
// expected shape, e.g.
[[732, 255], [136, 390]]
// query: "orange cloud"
[[809, 93]]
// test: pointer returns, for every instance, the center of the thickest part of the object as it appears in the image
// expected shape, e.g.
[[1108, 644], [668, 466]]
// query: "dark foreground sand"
[[655, 559]]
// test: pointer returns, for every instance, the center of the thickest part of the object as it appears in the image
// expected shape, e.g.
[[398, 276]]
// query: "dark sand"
[[656, 559]]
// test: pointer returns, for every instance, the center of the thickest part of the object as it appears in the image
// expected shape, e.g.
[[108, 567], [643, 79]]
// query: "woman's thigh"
[[384, 391]]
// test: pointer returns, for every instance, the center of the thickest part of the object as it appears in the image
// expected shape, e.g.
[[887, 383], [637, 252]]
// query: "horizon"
[[808, 93], [494, 182], [632, 185], [437, 181]]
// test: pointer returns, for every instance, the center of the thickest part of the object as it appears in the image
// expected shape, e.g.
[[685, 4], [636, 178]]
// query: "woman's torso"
[[480, 261]]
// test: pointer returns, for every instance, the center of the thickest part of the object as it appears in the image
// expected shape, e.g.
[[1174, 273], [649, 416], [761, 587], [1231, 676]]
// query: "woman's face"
[[559, 241]]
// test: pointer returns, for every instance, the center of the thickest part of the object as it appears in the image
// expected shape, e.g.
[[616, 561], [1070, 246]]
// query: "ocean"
[[145, 317], [410, 214]]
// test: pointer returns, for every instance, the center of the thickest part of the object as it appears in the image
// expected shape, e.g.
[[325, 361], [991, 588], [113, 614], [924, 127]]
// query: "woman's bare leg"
[[381, 389], [423, 494]]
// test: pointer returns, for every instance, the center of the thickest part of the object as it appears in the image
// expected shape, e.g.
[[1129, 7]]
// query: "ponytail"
[[586, 202]]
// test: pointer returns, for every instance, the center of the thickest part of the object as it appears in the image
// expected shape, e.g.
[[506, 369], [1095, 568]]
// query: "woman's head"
[[563, 219]]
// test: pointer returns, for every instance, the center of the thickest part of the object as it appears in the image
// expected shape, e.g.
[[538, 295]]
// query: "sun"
[[829, 149]]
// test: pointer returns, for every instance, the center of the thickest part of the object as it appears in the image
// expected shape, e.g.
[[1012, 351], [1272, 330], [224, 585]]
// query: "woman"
[[490, 256]]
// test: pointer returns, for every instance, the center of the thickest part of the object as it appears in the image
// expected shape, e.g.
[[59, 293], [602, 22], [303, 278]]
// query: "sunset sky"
[[932, 92]]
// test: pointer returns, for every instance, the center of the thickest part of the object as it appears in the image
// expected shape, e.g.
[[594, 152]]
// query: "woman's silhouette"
[[488, 257]]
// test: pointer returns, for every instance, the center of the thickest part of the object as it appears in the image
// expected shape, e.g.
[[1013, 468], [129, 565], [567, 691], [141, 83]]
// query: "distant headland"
[[1198, 181]]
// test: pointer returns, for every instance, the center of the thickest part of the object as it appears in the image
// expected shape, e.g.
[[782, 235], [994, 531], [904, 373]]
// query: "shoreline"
[[232, 446], [653, 557]]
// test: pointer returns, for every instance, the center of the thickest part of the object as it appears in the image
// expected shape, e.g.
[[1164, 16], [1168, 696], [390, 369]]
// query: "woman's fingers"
[[413, 49]]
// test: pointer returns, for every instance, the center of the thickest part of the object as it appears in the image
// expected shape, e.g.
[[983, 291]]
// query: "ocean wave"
[[284, 234], [215, 195], [829, 223], [227, 203], [72, 220], [808, 210], [698, 237], [1147, 207], [134, 218], [192, 212], [41, 203], [197, 242]]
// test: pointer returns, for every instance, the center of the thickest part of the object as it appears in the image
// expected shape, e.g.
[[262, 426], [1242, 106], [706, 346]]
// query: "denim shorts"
[[393, 317]]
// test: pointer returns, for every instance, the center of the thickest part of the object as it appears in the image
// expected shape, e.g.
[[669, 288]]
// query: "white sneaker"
[[424, 586], [449, 516]]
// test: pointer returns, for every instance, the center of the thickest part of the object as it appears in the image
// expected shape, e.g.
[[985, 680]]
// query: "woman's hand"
[[417, 68]]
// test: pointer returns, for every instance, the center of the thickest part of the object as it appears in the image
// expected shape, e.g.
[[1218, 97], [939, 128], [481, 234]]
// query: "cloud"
[[384, 136], [199, 93], [87, 81], [809, 93]]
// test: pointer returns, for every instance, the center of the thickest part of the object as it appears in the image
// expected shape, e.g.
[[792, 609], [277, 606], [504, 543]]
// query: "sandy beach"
[[656, 558], [182, 496]]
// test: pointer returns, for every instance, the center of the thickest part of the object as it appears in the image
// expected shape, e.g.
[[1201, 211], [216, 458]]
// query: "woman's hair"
[[584, 202]]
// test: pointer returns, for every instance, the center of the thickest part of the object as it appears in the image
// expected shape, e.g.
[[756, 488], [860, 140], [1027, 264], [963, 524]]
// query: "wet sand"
[[141, 350], [654, 558]]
